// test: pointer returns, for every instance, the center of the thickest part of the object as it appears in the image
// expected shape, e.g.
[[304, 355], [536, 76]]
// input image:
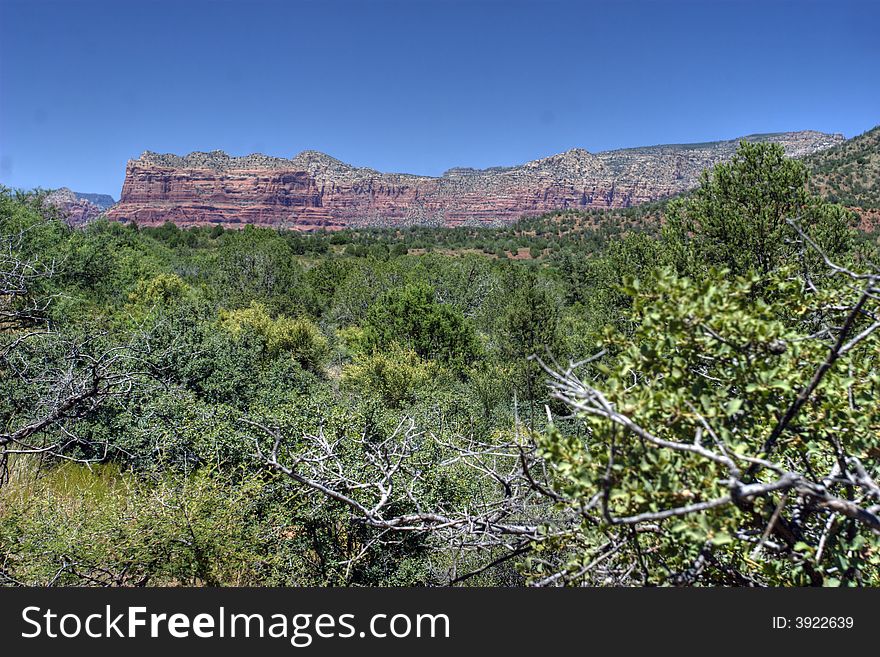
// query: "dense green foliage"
[[737, 218], [182, 342]]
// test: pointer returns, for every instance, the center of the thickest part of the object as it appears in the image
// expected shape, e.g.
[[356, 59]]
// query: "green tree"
[[258, 265], [738, 217], [707, 426], [412, 317], [530, 327]]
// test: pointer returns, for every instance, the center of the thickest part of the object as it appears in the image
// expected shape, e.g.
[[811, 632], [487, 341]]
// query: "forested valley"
[[683, 394]]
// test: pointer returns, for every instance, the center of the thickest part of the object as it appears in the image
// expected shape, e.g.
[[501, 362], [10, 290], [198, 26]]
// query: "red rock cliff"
[[314, 191]]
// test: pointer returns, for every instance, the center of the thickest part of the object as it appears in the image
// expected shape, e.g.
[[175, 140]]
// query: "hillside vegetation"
[[849, 173], [581, 398]]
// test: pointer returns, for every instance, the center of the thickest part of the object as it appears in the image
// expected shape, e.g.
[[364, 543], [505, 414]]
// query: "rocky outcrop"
[[315, 191], [77, 208]]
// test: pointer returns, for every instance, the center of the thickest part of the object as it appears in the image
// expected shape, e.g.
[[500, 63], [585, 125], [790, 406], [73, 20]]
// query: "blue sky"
[[416, 86]]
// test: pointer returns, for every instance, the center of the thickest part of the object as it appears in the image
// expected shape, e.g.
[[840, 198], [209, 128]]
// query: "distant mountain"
[[314, 190], [849, 173], [103, 201], [77, 208]]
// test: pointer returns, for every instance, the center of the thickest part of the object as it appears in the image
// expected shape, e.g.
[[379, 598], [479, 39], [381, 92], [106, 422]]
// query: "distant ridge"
[[103, 201], [797, 144], [313, 190], [78, 208]]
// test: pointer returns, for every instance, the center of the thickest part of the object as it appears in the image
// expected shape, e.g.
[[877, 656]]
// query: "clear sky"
[[417, 86]]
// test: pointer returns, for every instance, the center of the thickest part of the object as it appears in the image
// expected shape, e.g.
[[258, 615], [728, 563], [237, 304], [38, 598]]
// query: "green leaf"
[[733, 406]]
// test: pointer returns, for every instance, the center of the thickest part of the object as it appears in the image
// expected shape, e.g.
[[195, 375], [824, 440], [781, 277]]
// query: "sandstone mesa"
[[313, 191]]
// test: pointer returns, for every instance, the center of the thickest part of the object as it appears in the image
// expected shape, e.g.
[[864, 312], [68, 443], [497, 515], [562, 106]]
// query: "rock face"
[[315, 191], [77, 208]]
